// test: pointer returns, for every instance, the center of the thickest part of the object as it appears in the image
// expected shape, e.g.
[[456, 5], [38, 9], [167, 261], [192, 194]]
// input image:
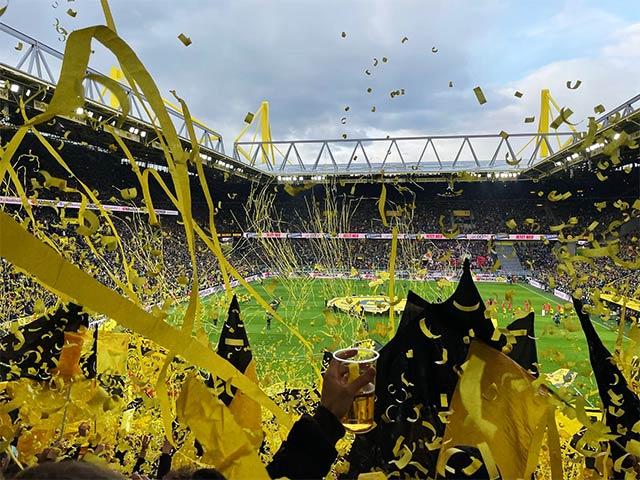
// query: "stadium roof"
[[502, 156]]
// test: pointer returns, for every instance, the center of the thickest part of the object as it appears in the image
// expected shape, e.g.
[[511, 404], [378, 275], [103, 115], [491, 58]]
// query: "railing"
[[434, 154], [43, 62]]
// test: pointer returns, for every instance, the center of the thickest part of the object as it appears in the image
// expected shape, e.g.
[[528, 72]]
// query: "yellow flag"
[[248, 412], [496, 404], [111, 354], [225, 444], [234, 347]]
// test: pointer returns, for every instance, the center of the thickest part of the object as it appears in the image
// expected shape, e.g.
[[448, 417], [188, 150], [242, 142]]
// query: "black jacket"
[[309, 450]]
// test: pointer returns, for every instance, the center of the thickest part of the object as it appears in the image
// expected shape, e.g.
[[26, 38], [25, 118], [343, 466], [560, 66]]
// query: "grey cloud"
[[291, 54]]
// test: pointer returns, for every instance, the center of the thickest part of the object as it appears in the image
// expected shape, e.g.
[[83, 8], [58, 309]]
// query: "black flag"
[[524, 351], [416, 379], [621, 405], [31, 352]]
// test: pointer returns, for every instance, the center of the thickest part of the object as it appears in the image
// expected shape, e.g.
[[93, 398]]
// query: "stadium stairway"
[[509, 260]]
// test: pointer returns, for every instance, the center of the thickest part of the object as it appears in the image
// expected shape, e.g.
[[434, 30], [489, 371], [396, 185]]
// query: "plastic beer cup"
[[359, 418]]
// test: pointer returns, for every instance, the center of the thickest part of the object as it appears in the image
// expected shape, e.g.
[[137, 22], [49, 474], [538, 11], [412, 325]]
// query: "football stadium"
[[171, 299]]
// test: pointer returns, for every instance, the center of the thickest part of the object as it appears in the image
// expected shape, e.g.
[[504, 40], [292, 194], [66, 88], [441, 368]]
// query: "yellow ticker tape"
[[184, 39], [480, 95], [381, 205], [65, 279]]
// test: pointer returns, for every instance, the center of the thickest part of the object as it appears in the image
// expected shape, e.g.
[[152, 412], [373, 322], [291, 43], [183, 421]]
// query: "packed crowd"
[[159, 264], [479, 208]]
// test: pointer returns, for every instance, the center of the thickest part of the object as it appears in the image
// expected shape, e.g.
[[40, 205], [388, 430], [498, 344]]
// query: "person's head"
[[83, 429], [69, 470], [5, 459]]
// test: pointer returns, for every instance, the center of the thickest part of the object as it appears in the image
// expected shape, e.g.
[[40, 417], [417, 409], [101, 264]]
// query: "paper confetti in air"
[[480, 95], [184, 39]]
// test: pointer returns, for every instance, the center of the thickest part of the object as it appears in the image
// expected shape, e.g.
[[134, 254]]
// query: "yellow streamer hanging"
[[382, 204], [66, 280], [392, 267]]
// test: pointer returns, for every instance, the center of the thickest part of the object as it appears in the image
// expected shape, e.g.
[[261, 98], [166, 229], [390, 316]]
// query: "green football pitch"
[[286, 352]]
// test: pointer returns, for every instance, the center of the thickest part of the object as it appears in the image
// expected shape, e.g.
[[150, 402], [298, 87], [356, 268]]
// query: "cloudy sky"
[[293, 55]]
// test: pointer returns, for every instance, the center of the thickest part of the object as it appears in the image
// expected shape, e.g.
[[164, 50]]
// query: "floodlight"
[[15, 87]]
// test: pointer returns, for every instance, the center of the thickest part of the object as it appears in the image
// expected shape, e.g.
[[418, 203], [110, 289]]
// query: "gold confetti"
[[129, 193], [529, 119], [425, 330], [384, 59], [450, 84], [434, 50], [445, 357], [518, 94], [72, 13], [480, 95], [61, 31], [343, 34], [404, 39], [575, 85], [554, 196], [184, 39], [598, 109], [347, 108], [563, 117]]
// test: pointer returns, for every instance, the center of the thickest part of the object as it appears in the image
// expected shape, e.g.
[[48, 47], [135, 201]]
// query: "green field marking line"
[[551, 296]]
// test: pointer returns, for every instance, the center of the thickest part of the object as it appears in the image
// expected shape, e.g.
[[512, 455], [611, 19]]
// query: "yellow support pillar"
[[264, 128], [543, 123], [267, 154], [118, 75]]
